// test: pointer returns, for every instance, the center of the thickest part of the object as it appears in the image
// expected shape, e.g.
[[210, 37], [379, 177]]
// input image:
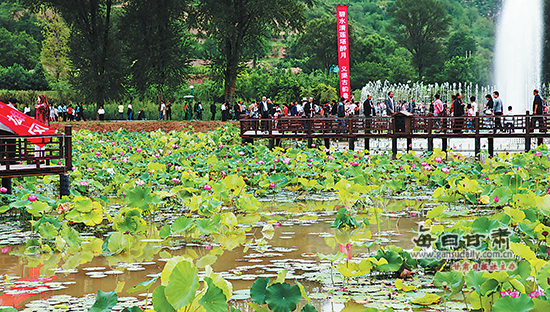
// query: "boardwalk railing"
[[399, 126], [36, 155]]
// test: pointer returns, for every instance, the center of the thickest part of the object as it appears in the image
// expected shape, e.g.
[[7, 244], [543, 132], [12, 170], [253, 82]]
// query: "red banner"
[[23, 124], [343, 51]]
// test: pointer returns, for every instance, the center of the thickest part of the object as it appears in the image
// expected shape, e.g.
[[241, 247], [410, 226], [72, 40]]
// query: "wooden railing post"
[[477, 137], [68, 148], [430, 137], [491, 146], [527, 132]]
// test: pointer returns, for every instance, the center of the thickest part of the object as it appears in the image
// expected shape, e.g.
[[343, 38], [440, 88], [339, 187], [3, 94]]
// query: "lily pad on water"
[[105, 301], [282, 297]]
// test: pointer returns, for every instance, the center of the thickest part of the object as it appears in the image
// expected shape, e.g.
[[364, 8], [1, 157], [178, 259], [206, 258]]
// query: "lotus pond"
[[198, 222]]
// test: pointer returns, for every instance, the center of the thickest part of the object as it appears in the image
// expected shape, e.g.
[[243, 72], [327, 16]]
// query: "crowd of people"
[[465, 112], [46, 113], [308, 108]]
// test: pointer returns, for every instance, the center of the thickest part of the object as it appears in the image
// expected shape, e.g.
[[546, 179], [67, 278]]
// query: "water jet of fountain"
[[518, 52]]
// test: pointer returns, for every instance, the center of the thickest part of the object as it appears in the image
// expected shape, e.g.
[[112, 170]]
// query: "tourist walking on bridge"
[[438, 111], [458, 113], [390, 105], [537, 111], [498, 110]]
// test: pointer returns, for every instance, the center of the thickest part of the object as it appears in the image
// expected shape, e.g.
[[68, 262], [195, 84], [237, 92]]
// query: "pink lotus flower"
[[536, 293], [139, 150], [83, 183], [413, 166], [208, 247], [3, 190], [272, 184], [98, 153], [424, 164], [220, 146], [309, 164], [261, 162], [354, 164], [446, 170], [256, 173], [331, 157], [175, 146], [496, 199], [326, 150], [367, 157], [438, 159], [178, 168], [286, 161], [241, 153], [207, 187], [5, 249], [175, 180], [313, 145], [512, 293], [538, 153], [32, 197], [428, 168], [140, 183], [548, 192]]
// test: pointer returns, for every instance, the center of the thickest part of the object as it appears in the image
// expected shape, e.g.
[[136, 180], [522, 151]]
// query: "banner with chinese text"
[[23, 124], [343, 51]]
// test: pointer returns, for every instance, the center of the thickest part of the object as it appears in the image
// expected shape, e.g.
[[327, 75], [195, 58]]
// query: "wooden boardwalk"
[[399, 126], [20, 157]]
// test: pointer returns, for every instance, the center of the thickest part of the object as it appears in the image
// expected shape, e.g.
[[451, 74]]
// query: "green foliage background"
[[285, 65]]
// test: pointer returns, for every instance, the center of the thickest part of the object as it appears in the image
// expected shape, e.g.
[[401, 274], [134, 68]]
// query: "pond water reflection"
[[35, 283]]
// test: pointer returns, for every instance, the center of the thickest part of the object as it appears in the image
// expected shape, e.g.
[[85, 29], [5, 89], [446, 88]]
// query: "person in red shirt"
[[285, 110], [42, 109]]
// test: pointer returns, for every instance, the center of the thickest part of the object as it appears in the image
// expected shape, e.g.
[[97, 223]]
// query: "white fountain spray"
[[518, 53]]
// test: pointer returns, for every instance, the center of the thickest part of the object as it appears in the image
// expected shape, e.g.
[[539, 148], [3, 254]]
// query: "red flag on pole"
[[23, 124], [343, 51]]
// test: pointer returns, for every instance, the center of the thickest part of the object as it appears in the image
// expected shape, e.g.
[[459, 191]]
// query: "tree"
[[422, 23], [157, 44], [98, 71], [319, 42], [18, 48], [460, 44], [55, 48], [239, 26]]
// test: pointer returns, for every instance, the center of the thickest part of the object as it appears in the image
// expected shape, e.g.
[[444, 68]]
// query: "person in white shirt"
[[53, 114], [477, 107], [162, 111], [509, 120], [130, 112], [101, 113]]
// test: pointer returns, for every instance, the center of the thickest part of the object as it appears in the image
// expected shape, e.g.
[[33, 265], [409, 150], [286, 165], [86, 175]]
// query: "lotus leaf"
[[160, 302], [104, 301], [258, 289], [282, 297], [214, 300], [184, 282], [520, 304]]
